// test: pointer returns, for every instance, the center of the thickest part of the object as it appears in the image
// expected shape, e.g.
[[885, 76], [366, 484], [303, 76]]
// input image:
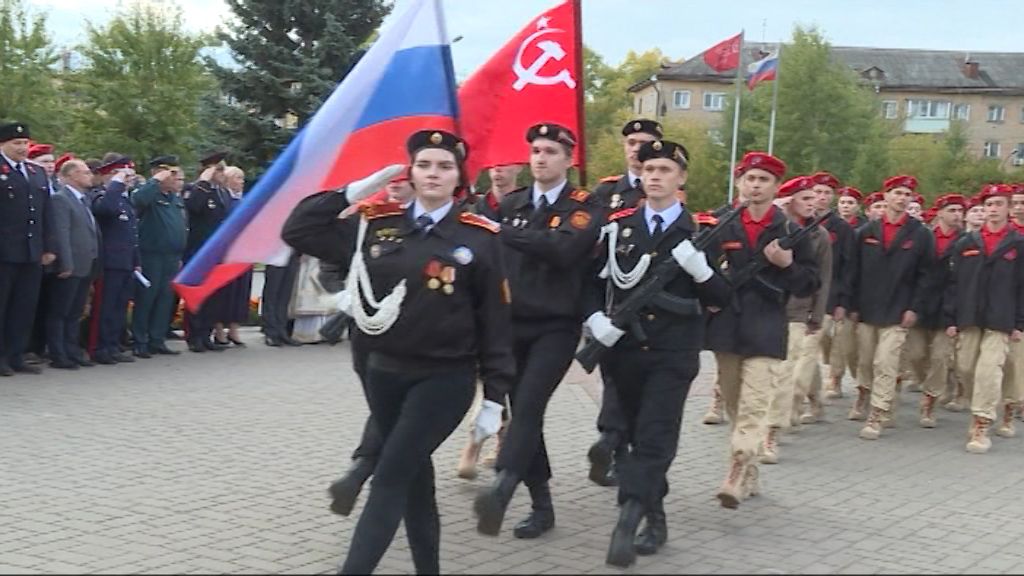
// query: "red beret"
[[122, 162], [826, 179], [36, 150], [762, 161], [63, 160], [851, 192], [929, 214], [794, 185], [900, 181], [873, 198], [918, 198], [949, 200], [973, 201], [1018, 188], [993, 190]]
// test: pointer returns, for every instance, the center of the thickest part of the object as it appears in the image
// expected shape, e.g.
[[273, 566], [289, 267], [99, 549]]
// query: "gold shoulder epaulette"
[[374, 211], [611, 178], [479, 221], [622, 214], [579, 195]]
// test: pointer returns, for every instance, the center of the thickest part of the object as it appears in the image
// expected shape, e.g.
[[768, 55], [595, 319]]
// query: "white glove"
[[360, 189], [693, 261], [488, 421], [603, 330], [344, 301]]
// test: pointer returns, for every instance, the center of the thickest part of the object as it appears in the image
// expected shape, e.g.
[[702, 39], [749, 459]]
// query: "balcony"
[[926, 125]]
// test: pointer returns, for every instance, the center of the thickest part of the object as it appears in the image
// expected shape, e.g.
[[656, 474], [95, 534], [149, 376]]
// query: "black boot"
[[621, 551], [601, 455], [654, 533], [542, 516], [346, 489], [491, 503]]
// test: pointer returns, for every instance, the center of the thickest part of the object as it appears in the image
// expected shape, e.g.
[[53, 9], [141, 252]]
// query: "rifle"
[[334, 328], [752, 270], [652, 292]]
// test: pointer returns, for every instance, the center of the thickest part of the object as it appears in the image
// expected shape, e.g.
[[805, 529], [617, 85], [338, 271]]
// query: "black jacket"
[[931, 316], [618, 193], [986, 291], [664, 330], [756, 324], [456, 310], [888, 282], [207, 206], [119, 228], [840, 235], [24, 229]]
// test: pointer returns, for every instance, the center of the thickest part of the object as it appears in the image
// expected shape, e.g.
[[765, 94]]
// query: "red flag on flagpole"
[[535, 77], [725, 55]]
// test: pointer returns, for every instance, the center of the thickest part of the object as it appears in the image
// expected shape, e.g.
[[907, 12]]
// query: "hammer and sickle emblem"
[[550, 50]]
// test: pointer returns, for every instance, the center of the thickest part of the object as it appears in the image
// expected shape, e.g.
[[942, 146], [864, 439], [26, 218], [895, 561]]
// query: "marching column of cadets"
[[89, 244]]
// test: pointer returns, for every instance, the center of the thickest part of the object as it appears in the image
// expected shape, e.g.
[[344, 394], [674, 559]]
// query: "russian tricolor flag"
[[763, 70], [404, 83]]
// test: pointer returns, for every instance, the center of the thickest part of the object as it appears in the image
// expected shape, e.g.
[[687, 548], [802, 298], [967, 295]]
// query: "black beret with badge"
[[164, 161], [437, 139], [212, 157], [664, 149], [13, 130], [551, 131], [645, 126]]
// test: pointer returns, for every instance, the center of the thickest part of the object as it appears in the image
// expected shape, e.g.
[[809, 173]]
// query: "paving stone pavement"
[[218, 463]]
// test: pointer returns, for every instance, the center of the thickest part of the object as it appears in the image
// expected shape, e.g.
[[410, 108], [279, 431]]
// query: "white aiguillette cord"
[[622, 280], [386, 311]]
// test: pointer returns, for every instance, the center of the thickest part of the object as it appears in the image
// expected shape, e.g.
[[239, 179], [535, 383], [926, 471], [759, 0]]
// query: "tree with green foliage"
[[27, 65], [139, 90], [289, 57]]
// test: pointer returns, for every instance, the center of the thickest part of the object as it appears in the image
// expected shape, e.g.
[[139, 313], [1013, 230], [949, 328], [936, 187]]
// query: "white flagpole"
[[736, 120], [775, 98]]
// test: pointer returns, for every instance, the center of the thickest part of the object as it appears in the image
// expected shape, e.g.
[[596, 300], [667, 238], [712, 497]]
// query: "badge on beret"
[[20, 129], [579, 219], [543, 130], [463, 255], [637, 126], [436, 138], [122, 217], [555, 221], [656, 145]]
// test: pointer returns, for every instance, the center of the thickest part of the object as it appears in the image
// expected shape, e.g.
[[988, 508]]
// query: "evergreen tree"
[[27, 66]]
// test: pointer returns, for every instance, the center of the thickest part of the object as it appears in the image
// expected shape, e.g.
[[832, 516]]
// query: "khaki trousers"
[[798, 376], [746, 387], [839, 346], [878, 352], [981, 361], [1013, 377], [930, 355]]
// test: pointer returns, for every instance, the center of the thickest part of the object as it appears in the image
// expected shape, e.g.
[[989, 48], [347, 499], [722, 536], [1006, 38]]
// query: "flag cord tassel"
[[387, 310]]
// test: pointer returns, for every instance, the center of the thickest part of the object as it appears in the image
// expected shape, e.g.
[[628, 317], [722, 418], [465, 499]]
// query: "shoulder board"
[[621, 214], [479, 221], [373, 211], [611, 178], [579, 195]]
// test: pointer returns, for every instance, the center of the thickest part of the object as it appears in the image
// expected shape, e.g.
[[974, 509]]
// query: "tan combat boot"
[[714, 413], [860, 405], [770, 448], [731, 493], [1006, 429], [751, 482], [814, 411], [834, 389], [873, 427], [980, 442], [468, 459], [928, 411]]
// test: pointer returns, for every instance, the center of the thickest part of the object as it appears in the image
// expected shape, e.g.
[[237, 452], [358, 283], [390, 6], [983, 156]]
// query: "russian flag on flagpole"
[[763, 70], [404, 83]]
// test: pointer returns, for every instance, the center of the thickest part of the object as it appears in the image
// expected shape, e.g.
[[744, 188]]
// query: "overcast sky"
[[681, 28]]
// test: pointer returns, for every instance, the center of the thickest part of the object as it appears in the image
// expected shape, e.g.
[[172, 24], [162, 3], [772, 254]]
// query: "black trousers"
[[37, 342], [651, 387], [63, 315], [19, 293], [543, 355], [278, 285], [118, 286], [371, 441], [611, 420], [415, 414]]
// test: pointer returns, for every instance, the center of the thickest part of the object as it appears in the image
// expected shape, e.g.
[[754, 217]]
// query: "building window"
[[961, 111], [934, 109], [889, 109], [991, 150], [996, 113], [714, 101], [1018, 155], [1022, 115], [681, 99]]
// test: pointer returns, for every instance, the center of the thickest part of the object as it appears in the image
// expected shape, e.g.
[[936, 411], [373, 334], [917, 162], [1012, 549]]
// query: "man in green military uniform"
[[162, 235]]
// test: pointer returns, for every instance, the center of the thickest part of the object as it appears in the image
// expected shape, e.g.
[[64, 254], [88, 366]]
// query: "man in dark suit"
[[207, 203], [76, 242], [24, 244]]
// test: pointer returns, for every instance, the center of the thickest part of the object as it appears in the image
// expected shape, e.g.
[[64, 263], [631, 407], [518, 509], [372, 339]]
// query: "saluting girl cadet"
[[650, 379], [431, 302]]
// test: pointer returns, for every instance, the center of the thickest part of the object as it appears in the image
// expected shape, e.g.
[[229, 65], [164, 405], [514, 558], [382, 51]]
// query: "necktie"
[[636, 183], [543, 203], [424, 222], [658, 220], [20, 167]]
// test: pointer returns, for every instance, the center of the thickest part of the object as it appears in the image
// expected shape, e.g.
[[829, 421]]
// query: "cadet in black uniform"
[[651, 378], [550, 231], [207, 203], [617, 193], [442, 317], [25, 245]]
